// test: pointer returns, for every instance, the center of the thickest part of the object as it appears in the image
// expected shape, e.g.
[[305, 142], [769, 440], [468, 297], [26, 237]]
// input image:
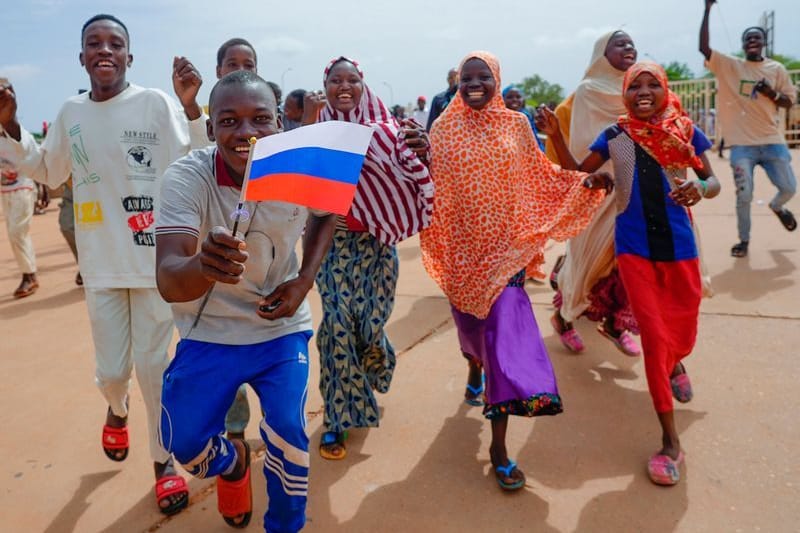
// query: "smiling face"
[[477, 84], [237, 57], [105, 56], [513, 99], [620, 51], [644, 96], [238, 112], [344, 86], [753, 44]]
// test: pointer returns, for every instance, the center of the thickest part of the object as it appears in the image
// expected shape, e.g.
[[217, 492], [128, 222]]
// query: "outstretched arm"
[[705, 47], [547, 122], [49, 163], [184, 274]]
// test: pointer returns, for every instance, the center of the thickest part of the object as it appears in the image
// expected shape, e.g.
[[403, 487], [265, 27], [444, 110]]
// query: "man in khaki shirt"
[[750, 93]]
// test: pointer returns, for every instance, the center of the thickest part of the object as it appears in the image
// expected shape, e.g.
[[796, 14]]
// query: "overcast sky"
[[405, 48]]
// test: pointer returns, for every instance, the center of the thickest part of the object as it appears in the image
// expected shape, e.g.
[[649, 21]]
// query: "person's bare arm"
[[184, 274], [705, 47], [689, 192]]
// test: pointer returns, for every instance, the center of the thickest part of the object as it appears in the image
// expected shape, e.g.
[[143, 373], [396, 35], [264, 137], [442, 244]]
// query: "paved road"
[[426, 468]]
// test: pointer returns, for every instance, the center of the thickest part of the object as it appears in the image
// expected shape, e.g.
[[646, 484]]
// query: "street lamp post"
[[283, 75], [391, 93]]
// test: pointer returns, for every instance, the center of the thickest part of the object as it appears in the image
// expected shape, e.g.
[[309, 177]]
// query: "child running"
[[586, 280], [256, 325], [498, 200], [651, 148], [116, 141], [358, 277]]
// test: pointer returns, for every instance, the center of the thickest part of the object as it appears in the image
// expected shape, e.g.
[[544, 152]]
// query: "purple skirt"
[[508, 344]]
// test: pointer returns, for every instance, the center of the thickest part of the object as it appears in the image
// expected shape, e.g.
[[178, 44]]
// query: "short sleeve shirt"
[[748, 118], [649, 223]]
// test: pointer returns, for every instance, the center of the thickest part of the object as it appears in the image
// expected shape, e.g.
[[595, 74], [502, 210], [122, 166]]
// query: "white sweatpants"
[[131, 327], [18, 210]]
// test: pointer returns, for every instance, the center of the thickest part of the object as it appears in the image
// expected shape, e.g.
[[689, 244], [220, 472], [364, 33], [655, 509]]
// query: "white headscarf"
[[598, 99]]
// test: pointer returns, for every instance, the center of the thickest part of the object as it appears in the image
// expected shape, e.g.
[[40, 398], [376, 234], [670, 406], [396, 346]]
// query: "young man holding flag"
[[256, 323]]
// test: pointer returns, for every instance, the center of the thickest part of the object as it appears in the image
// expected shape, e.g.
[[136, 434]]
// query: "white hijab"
[[590, 255], [598, 100]]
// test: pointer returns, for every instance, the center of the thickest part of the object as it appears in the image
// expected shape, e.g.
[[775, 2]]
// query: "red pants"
[[665, 298]]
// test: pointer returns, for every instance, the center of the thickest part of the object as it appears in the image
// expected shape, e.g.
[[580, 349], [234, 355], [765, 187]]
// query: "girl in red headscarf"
[[651, 148]]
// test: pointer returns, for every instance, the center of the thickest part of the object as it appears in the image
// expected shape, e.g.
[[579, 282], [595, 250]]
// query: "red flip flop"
[[235, 498], [114, 440], [167, 486]]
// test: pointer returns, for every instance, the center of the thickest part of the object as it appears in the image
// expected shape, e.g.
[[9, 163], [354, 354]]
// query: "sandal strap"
[[115, 438], [166, 486], [235, 498], [329, 437], [475, 390], [506, 470]]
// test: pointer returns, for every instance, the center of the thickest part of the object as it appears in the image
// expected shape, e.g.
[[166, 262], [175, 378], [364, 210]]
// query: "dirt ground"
[[426, 468]]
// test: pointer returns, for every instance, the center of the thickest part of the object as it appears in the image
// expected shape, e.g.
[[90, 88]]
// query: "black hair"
[[276, 90], [756, 28], [236, 41], [239, 77], [297, 95], [104, 16]]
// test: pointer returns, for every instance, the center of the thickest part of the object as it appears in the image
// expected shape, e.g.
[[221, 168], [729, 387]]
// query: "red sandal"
[[114, 440], [235, 498], [167, 486]]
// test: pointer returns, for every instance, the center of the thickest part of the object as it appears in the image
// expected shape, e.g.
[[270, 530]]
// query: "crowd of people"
[[154, 182]]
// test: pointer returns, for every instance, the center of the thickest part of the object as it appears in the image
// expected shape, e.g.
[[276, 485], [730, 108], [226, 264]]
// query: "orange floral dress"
[[498, 199]]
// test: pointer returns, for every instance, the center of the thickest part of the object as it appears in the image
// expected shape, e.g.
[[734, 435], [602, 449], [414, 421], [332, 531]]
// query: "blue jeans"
[[776, 161]]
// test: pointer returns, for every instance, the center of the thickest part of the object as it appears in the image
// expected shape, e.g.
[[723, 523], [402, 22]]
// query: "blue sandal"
[[326, 442], [477, 401], [505, 471]]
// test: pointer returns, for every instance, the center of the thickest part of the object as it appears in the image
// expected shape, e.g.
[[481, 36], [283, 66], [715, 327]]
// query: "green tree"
[[536, 90], [678, 71], [791, 63]]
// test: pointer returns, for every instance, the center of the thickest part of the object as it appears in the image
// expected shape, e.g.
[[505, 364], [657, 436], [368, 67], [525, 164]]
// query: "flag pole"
[[238, 214]]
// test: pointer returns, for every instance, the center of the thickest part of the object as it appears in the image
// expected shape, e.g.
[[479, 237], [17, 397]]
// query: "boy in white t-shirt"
[[256, 324], [116, 141]]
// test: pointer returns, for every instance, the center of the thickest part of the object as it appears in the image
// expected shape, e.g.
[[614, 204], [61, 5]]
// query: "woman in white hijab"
[[588, 281]]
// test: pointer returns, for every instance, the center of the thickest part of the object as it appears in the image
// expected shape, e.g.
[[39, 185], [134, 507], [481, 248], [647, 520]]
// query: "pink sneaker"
[[624, 342], [569, 338]]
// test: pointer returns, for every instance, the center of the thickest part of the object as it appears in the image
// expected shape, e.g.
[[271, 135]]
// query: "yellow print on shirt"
[[88, 213]]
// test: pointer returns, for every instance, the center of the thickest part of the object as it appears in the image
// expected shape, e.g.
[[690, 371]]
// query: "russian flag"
[[316, 166]]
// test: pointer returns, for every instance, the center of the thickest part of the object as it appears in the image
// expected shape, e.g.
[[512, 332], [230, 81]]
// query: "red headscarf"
[[667, 135]]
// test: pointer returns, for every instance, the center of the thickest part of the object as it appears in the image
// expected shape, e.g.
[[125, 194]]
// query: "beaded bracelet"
[[705, 187]]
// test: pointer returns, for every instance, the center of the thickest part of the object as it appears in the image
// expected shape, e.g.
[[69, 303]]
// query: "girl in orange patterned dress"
[[498, 199]]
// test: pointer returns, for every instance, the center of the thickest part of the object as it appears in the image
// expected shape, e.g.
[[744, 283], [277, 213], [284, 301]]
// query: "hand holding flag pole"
[[316, 166], [239, 214]]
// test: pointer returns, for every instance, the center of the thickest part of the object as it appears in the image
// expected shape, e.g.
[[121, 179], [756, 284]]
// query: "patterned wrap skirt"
[[356, 282]]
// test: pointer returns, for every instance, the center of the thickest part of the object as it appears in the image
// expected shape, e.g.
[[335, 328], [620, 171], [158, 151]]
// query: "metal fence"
[[699, 100]]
